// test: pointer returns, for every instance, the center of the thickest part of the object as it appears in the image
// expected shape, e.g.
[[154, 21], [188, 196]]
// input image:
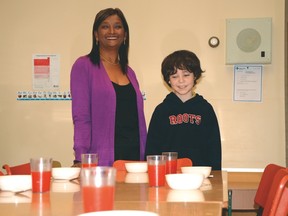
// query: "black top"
[[189, 128], [127, 146]]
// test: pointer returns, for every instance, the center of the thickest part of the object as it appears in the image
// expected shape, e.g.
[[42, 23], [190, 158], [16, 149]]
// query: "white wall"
[[253, 134]]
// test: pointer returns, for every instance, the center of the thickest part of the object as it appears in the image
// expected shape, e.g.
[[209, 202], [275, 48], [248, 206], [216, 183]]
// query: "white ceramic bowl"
[[136, 178], [205, 170], [136, 167], [15, 182], [184, 181], [65, 172], [185, 196]]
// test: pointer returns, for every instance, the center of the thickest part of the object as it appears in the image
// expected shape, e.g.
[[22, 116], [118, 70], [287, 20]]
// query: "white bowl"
[[136, 178], [205, 170], [136, 167], [15, 182], [185, 196], [184, 181], [65, 172]]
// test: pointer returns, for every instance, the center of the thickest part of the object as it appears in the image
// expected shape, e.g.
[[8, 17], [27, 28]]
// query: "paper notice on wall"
[[248, 83], [46, 70]]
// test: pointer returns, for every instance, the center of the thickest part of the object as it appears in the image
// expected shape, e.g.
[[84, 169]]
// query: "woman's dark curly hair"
[[183, 60]]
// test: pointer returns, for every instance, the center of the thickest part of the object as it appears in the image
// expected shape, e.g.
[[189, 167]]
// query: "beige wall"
[[253, 134]]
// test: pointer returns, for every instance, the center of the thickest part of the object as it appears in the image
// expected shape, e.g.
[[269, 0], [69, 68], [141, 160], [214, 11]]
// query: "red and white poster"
[[46, 71]]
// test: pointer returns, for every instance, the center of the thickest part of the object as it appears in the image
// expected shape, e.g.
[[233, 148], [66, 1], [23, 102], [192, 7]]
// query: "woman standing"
[[107, 105]]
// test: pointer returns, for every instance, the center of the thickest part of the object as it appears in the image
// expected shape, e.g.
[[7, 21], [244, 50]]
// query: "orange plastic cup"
[[89, 160], [156, 170], [171, 162], [41, 174], [98, 188]]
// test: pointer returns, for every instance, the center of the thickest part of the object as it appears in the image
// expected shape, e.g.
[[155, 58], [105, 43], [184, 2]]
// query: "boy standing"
[[185, 122]]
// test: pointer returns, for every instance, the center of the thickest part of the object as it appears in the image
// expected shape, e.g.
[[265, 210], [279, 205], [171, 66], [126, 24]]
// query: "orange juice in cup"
[[41, 174], [88, 165], [98, 188], [171, 162], [98, 198], [156, 170], [89, 160], [41, 181]]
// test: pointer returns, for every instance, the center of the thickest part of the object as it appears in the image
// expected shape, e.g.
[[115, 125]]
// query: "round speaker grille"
[[248, 40]]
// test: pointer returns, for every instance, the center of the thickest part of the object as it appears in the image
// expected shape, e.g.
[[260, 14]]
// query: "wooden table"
[[65, 199]]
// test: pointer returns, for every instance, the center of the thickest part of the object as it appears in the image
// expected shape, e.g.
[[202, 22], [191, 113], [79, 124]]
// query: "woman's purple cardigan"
[[94, 109]]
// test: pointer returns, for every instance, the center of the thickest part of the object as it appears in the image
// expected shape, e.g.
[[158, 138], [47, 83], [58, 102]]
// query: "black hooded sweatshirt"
[[190, 128]]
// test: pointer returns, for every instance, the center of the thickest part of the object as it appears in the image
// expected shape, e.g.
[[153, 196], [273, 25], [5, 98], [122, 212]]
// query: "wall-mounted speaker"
[[248, 40]]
